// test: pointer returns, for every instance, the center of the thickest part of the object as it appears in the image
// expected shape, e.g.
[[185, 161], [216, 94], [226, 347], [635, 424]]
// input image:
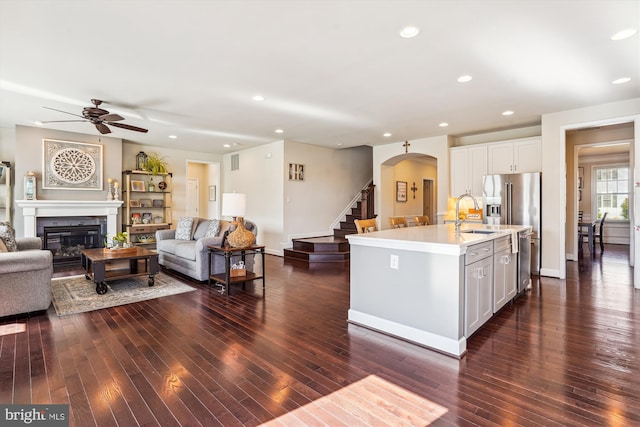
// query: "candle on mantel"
[[116, 184], [110, 180]]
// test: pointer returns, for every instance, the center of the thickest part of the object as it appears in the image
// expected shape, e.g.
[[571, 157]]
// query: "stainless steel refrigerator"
[[515, 199]]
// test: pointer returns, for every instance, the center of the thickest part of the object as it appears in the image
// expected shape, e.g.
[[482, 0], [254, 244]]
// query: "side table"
[[224, 278]]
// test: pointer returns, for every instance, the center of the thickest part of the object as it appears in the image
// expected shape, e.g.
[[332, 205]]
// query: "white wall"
[[260, 177], [285, 209], [332, 178], [554, 127], [385, 157]]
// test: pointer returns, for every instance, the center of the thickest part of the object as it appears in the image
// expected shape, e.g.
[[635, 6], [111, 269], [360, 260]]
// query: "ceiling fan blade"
[[63, 121], [129, 127], [111, 117], [102, 128], [66, 112]]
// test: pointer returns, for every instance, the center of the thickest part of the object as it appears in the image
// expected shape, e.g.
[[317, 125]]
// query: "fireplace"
[[66, 242], [41, 214]]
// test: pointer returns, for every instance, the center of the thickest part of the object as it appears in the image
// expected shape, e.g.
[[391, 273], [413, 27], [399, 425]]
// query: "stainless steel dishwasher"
[[524, 261]]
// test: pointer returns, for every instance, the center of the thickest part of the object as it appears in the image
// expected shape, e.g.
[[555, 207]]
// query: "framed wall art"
[[401, 191], [296, 172], [212, 193], [70, 165], [137, 186]]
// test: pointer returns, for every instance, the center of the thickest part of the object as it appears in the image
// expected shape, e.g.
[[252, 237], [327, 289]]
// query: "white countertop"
[[441, 238]]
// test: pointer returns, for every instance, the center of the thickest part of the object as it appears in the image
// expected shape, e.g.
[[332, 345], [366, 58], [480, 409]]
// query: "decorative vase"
[[241, 237]]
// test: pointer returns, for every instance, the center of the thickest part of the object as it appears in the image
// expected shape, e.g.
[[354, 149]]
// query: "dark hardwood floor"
[[565, 354]]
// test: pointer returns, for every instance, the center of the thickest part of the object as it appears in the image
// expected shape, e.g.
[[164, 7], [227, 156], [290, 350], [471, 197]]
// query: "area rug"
[[76, 294]]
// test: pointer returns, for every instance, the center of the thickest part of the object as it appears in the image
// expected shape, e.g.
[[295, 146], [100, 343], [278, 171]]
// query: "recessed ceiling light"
[[226, 145], [339, 144], [38, 122], [409, 32], [258, 98], [621, 80], [443, 124], [624, 34], [279, 131], [386, 134], [464, 79], [173, 136], [507, 113]]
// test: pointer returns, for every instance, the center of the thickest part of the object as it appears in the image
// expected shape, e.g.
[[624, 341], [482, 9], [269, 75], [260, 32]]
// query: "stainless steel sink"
[[478, 231]]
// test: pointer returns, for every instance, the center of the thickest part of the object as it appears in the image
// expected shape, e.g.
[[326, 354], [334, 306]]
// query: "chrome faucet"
[[458, 221]]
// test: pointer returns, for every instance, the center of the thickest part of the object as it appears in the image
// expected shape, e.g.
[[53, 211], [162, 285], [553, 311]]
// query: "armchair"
[[25, 278]]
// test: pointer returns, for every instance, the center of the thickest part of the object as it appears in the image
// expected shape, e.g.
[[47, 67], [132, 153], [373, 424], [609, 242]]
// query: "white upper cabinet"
[[519, 156], [468, 166]]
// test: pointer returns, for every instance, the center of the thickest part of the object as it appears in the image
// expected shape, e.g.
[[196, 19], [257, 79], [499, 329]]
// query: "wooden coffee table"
[[102, 265]]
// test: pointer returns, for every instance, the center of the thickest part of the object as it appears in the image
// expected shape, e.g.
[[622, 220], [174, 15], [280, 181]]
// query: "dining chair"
[[366, 225], [599, 236], [398, 222], [421, 220]]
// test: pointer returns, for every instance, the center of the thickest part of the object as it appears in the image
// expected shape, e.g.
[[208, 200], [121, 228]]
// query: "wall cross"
[[406, 146], [414, 189]]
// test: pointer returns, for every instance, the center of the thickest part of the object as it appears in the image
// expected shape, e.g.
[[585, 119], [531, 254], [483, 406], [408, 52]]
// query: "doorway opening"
[[411, 177], [588, 150], [202, 188]]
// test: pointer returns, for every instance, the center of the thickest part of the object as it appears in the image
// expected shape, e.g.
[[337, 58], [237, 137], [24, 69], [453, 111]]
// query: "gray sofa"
[[25, 278], [190, 257]]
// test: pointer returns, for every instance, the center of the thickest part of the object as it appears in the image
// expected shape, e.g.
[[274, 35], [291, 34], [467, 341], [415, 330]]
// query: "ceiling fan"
[[99, 117]]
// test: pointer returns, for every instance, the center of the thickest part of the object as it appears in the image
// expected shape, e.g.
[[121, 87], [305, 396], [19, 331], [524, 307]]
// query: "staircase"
[[332, 248]]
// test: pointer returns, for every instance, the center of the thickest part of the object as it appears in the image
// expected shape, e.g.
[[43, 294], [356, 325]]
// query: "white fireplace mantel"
[[33, 209]]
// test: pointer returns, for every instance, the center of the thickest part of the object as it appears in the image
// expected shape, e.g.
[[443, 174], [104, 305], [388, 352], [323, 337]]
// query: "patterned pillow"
[[214, 228], [8, 236], [186, 227]]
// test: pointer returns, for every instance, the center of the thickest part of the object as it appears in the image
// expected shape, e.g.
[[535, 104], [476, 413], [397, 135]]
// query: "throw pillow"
[[214, 228], [8, 236], [185, 228]]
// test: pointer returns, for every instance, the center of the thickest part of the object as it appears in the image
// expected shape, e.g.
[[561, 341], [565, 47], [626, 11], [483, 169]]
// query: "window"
[[612, 192]]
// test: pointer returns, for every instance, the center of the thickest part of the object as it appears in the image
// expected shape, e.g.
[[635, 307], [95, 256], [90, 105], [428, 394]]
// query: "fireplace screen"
[[66, 242]]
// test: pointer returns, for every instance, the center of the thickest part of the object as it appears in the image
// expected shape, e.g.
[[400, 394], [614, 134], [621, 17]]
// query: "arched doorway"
[[406, 180]]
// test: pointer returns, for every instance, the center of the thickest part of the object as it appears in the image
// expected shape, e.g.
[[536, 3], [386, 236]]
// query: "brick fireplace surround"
[[34, 209]]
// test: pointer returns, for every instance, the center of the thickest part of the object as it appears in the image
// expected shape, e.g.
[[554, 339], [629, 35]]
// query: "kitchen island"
[[422, 283]]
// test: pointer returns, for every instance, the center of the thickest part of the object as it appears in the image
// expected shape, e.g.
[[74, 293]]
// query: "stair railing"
[[367, 205]]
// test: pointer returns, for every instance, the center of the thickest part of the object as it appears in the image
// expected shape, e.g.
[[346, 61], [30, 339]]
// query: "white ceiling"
[[331, 72]]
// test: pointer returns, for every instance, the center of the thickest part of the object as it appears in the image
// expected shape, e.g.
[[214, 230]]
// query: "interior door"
[[427, 199], [193, 199]]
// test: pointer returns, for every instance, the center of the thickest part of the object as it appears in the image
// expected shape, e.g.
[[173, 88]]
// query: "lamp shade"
[[234, 204]]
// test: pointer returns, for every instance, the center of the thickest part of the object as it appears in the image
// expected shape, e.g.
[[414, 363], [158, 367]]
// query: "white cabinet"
[[467, 167], [504, 273], [515, 156], [478, 286]]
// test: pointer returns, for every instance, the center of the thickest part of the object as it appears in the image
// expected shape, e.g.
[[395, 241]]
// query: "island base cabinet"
[[478, 283], [505, 272]]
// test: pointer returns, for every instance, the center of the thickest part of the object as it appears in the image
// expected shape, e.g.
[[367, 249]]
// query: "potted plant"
[[156, 164], [118, 241]]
